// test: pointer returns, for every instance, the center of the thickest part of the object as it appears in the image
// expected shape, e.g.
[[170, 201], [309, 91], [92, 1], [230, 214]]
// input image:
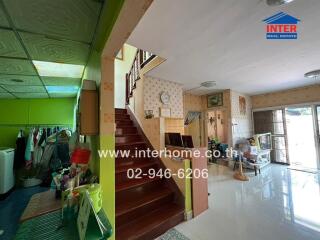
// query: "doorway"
[[295, 134], [301, 136], [215, 125]]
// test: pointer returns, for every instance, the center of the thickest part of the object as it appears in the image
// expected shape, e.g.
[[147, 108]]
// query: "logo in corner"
[[281, 26]]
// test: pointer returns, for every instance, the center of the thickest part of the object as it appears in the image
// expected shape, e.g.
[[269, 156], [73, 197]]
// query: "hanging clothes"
[[37, 150], [29, 150], [42, 140], [19, 160], [61, 156]]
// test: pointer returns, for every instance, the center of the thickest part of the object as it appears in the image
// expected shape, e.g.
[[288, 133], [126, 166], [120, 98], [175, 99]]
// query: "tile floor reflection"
[[279, 204]]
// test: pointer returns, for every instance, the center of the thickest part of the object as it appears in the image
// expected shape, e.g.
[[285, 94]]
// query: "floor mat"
[[172, 234], [47, 227], [40, 204]]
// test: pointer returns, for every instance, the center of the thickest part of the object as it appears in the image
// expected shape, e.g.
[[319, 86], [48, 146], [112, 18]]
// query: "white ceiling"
[[224, 41]]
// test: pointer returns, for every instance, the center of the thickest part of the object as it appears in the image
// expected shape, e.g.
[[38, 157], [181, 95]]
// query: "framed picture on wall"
[[165, 112], [242, 105], [215, 100]]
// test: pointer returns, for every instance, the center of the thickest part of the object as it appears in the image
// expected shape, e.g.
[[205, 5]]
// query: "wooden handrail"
[[140, 60]]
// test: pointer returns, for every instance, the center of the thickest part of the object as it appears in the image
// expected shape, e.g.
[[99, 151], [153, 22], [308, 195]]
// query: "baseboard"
[[188, 215]]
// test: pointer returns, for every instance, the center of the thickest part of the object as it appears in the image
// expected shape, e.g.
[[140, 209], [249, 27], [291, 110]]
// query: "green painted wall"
[[104, 167], [32, 112]]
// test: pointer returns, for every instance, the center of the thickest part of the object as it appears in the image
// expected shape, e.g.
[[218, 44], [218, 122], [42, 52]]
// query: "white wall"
[[122, 67]]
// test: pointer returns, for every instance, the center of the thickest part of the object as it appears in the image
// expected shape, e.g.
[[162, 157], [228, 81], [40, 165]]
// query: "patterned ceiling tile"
[[3, 20], [16, 66], [25, 89], [10, 45], [6, 96], [63, 95], [51, 50], [31, 95], [16, 80], [66, 19], [56, 81]]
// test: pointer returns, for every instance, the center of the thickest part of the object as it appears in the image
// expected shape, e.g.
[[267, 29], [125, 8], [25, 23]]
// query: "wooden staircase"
[[146, 207]]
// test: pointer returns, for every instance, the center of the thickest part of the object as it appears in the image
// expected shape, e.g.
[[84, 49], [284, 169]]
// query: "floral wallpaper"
[[153, 87], [306, 94]]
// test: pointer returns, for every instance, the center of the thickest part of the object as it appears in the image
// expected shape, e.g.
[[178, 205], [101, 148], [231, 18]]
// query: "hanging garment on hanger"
[[42, 140], [29, 147], [45, 161], [49, 132], [19, 160], [37, 151], [37, 154]]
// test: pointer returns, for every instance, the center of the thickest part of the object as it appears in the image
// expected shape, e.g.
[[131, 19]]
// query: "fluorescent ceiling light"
[[312, 74], [62, 89], [278, 2], [209, 84], [51, 69]]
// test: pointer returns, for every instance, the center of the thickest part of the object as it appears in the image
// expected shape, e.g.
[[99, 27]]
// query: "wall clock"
[[165, 98]]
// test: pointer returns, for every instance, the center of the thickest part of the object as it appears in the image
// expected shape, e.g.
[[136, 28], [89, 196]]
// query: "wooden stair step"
[[139, 145], [131, 158], [128, 134], [124, 125], [122, 116], [123, 121], [145, 207], [144, 165], [128, 138], [123, 167], [152, 224], [130, 144], [127, 211], [123, 130], [120, 111], [136, 183]]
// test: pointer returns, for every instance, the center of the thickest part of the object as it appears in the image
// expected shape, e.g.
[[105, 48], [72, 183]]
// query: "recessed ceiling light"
[[51, 69], [209, 84], [62, 89], [278, 2], [17, 80], [312, 74]]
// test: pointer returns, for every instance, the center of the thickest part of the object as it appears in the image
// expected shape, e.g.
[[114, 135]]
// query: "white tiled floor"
[[279, 204]]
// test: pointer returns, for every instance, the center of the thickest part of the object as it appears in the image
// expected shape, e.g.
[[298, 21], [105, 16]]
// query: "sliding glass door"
[[295, 134], [301, 132]]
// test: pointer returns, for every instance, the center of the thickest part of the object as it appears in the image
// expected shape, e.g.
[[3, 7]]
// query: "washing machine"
[[6, 170]]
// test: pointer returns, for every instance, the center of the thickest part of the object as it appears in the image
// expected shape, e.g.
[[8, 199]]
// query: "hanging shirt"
[[29, 147]]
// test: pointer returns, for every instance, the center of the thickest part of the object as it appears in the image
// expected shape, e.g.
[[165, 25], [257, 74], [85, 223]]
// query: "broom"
[[239, 175]]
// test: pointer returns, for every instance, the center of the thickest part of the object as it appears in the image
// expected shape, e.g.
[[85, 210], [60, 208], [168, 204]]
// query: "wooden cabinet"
[[89, 112]]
